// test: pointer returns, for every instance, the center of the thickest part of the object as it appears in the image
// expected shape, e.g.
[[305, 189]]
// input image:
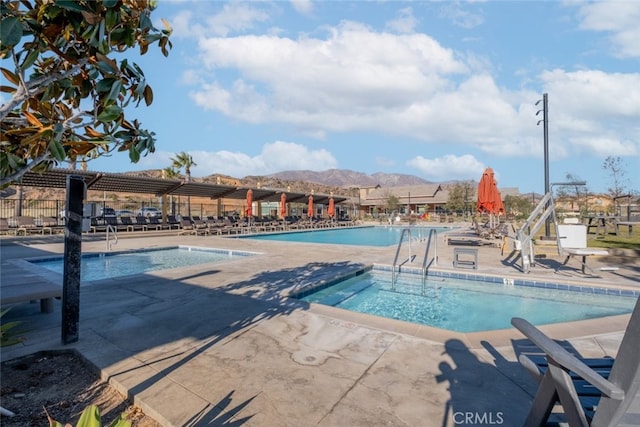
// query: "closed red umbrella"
[[331, 210], [310, 207], [489, 198], [283, 205], [249, 211]]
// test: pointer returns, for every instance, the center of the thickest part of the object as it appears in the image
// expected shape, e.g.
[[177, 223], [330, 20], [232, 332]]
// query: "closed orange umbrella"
[[283, 205], [489, 198], [310, 207], [249, 211], [331, 210]]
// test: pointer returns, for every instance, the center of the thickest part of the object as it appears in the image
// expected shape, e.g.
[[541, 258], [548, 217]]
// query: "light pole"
[[545, 122]]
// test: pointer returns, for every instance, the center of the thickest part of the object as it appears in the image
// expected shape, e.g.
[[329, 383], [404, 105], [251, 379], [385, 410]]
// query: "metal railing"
[[111, 229], [524, 236], [428, 262], [405, 231]]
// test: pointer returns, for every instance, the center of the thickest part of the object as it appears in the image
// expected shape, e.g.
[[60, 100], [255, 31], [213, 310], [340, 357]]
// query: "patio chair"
[[572, 241], [27, 224], [154, 222], [52, 223], [5, 228], [590, 396]]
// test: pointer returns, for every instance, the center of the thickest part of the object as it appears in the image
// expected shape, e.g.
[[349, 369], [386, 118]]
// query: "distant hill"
[[347, 178], [338, 181]]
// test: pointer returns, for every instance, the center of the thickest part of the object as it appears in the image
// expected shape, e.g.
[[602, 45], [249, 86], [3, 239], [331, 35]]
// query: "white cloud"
[[448, 167], [304, 7], [275, 157], [233, 17], [404, 23], [460, 16], [590, 107], [411, 86], [350, 81], [618, 18]]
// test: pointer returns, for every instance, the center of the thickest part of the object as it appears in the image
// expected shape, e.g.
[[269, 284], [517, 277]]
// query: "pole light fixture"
[[545, 122]]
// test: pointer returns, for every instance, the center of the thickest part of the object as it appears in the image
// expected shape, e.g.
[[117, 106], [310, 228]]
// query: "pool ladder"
[[426, 261], [112, 229]]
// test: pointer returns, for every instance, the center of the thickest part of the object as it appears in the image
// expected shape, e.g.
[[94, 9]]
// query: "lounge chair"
[[132, 225], [51, 223], [27, 224], [173, 222], [589, 398], [153, 222], [572, 240], [5, 228], [187, 226]]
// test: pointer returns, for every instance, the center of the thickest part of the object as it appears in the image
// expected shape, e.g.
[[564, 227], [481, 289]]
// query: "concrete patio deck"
[[221, 343]]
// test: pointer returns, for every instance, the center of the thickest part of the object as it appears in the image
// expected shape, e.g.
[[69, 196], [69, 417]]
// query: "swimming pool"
[[360, 236], [118, 264], [466, 305]]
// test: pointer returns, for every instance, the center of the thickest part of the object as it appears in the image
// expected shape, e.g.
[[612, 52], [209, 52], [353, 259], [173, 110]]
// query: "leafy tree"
[[392, 203], [170, 173], [521, 207], [68, 89], [460, 196], [184, 160], [615, 166]]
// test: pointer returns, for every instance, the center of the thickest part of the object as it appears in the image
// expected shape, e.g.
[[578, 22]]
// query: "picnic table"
[[602, 223]]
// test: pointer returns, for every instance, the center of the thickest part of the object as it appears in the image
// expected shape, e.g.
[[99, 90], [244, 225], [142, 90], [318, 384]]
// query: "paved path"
[[221, 343]]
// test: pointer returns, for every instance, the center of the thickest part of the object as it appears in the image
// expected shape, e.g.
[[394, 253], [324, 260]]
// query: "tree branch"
[[9, 179], [36, 86]]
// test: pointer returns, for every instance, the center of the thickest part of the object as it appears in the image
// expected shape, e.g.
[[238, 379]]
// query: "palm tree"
[[170, 173], [184, 160]]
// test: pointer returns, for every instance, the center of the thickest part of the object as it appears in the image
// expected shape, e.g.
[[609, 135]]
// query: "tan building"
[[412, 198]]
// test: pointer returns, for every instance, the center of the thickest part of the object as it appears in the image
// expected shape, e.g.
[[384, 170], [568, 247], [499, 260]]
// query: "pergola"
[[129, 183]]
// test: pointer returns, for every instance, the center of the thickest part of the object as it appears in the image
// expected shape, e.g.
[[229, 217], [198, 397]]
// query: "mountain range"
[[347, 178], [338, 181]]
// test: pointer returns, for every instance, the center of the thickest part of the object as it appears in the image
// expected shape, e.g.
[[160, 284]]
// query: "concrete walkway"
[[222, 344]]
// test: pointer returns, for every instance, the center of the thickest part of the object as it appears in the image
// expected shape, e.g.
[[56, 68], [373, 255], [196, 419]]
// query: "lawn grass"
[[623, 241]]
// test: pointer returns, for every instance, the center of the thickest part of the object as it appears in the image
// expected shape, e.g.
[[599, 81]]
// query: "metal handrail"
[[115, 234], [433, 260], [395, 259], [544, 210]]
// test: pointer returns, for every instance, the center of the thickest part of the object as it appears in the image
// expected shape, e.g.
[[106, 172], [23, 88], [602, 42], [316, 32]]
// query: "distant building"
[[419, 199], [416, 198]]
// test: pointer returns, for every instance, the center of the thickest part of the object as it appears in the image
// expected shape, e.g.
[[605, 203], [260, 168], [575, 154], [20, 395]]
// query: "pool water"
[[361, 236], [118, 264], [465, 305]]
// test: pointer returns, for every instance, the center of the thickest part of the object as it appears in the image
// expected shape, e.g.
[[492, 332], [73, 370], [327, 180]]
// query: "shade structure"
[[331, 210], [249, 211], [283, 205], [489, 198], [310, 207]]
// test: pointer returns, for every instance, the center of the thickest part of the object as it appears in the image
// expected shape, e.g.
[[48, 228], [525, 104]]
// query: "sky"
[[436, 89]]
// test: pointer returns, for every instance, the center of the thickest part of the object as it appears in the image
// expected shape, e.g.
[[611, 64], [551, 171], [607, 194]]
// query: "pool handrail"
[[395, 258], [433, 260], [115, 234]]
